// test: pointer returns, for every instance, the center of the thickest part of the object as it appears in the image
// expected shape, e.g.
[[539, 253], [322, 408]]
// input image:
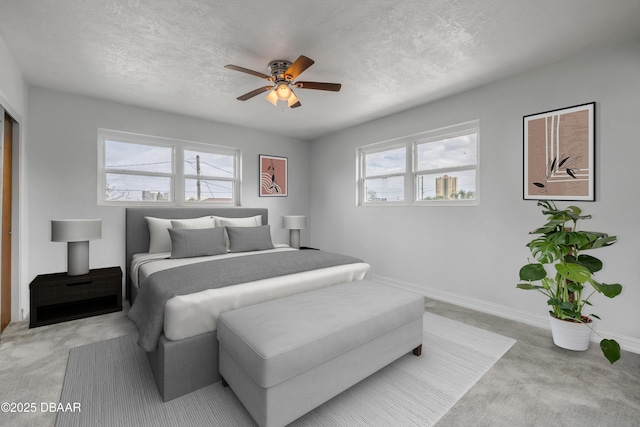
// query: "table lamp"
[[294, 223], [77, 232]]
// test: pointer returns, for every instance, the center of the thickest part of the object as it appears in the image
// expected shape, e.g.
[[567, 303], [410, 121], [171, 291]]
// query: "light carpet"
[[112, 384]]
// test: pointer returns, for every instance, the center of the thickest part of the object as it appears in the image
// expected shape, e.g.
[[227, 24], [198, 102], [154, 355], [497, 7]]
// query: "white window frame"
[[204, 148], [377, 148], [411, 174], [177, 174]]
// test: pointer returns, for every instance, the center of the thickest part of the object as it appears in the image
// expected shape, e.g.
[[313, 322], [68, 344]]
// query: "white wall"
[[13, 89], [62, 170], [471, 255]]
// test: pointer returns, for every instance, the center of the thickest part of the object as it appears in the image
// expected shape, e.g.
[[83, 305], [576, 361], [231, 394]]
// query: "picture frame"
[[273, 176], [559, 154]]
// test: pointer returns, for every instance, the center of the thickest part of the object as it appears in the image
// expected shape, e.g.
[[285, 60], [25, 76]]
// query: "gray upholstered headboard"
[[137, 230]]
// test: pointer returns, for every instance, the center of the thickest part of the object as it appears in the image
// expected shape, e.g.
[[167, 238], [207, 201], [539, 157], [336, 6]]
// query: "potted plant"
[[558, 248]]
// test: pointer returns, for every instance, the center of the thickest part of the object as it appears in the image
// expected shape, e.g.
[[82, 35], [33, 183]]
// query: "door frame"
[[6, 282], [18, 227]]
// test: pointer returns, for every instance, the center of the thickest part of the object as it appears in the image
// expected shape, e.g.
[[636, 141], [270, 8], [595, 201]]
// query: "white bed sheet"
[[194, 314]]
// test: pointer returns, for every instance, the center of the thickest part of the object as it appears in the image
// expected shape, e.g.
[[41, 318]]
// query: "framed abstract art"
[[559, 154], [273, 176]]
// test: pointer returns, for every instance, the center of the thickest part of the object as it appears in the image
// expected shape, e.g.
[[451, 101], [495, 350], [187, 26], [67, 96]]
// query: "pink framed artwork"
[[273, 176], [559, 154]]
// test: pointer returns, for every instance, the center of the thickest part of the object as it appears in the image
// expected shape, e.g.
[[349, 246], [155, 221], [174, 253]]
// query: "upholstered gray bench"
[[285, 357]]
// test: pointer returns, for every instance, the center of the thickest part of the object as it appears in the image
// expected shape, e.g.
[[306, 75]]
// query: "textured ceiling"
[[389, 55]]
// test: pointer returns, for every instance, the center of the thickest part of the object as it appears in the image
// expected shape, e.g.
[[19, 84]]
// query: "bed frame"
[[183, 366]]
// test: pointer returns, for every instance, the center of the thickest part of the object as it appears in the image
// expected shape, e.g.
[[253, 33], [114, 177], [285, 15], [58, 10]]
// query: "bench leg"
[[224, 382], [416, 351]]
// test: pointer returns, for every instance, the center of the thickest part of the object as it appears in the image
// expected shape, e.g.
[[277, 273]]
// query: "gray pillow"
[[187, 243], [245, 239]]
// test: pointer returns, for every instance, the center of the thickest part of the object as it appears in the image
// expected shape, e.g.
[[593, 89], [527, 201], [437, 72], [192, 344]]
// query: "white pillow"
[[159, 238], [252, 221], [202, 222]]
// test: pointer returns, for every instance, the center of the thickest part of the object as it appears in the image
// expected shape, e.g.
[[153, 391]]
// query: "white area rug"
[[114, 386]]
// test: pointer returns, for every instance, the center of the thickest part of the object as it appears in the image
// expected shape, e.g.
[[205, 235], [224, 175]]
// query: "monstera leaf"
[[611, 350], [573, 272]]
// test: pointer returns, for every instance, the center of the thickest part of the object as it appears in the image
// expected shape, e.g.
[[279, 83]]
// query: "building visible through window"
[[447, 187]]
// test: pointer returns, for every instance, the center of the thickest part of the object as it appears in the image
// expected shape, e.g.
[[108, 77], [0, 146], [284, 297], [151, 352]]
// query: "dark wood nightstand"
[[58, 297]]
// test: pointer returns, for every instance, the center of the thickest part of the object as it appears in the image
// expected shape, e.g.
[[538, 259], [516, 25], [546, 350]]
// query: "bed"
[[184, 354]]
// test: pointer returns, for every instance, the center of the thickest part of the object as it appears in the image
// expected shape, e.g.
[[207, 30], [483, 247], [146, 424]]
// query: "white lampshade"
[[272, 97], [284, 91], [292, 99], [294, 222], [77, 232]]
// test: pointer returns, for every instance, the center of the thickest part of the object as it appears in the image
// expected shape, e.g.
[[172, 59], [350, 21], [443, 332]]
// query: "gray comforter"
[[147, 311]]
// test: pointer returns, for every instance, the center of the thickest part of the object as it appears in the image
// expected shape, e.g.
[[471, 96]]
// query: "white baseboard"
[[626, 343]]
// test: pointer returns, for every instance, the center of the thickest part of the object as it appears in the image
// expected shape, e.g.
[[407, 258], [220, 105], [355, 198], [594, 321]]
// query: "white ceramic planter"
[[570, 335]]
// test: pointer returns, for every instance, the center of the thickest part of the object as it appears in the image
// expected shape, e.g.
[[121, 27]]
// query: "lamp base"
[[77, 258], [294, 238]]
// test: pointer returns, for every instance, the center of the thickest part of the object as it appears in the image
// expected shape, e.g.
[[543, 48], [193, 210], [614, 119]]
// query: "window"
[[439, 167], [209, 176], [138, 169], [384, 172], [137, 172], [445, 169]]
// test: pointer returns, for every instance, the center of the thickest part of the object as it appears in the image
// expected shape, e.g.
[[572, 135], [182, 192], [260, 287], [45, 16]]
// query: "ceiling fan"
[[282, 74]]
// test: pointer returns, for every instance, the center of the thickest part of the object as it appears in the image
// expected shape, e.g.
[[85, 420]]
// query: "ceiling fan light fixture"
[[292, 99], [284, 91], [272, 97]]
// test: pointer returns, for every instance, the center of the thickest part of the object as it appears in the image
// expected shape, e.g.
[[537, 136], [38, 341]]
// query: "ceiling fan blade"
[[248, 71], [334, 87], [254, 93], [301, 64], [296, 105]]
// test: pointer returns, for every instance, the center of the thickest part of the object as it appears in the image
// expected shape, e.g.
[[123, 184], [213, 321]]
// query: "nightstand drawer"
[[76, 291]]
